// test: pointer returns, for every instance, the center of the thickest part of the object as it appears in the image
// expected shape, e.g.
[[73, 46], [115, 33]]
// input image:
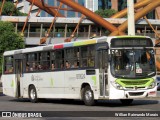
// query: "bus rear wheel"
[[88, 96], [33, 94], [126, 101]]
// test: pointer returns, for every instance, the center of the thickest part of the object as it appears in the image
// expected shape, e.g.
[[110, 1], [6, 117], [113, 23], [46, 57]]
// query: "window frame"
[[5, 70]]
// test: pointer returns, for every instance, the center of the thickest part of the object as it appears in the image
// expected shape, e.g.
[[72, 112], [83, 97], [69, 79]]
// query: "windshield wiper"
[[151, 73]]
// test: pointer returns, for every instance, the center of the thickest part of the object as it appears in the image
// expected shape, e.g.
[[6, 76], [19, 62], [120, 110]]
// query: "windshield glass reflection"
[[131, 63]]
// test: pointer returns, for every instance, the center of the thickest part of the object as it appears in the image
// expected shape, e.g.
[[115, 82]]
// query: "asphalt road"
[[73, 106]]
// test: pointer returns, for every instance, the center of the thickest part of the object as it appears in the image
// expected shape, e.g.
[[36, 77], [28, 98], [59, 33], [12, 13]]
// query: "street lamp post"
[[131, 21]]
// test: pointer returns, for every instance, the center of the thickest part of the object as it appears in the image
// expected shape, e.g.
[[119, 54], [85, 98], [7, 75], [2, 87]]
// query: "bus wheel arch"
[[87, 94], [32, 93]]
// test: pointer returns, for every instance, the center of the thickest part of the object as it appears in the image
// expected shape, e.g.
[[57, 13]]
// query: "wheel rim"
[[33, 94], [88, 95]]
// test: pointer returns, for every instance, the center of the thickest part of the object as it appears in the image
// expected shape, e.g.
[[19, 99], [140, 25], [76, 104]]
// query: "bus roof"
[[57, 46], [67, 44]]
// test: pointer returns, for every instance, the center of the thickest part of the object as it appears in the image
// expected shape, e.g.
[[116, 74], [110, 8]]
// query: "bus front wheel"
[[126, 101], [88, 96], [33, 94]]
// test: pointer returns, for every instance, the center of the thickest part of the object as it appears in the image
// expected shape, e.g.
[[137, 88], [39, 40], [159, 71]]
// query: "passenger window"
[[91, 56], [53, 58], [8, 67], [59, 61], [31, 62], [88, 56], [44, 61], [72, 58]]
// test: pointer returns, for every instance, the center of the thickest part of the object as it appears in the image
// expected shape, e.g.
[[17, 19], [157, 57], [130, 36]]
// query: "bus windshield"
[[132, 63]]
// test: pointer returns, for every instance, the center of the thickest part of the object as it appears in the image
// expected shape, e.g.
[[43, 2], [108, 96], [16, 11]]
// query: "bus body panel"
[[56, 85], [9, 85], [113, 92], [47, 84]]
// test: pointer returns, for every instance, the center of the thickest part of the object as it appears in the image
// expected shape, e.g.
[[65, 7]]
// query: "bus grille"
[[134, 82], [135, 94]]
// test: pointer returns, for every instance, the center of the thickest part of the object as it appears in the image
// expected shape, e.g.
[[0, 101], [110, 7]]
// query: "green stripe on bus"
[[12, 83], [94, 79], [52, 82], [130, 37], [80, 43], [137, 82]]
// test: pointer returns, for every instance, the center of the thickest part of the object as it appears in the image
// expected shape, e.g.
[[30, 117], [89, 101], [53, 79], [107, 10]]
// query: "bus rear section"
[[12, 73]]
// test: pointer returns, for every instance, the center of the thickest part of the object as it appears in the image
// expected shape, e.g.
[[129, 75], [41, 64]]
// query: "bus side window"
[[72, 57], [27, 67], [31, 62], [88, 56], [84, 56], [91, 56], [8, 64], [43, 61], [52, 66], [53, 57], [59, 59]]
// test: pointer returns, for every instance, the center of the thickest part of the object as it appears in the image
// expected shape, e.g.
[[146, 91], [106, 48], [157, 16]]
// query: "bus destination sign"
[[131, 42]]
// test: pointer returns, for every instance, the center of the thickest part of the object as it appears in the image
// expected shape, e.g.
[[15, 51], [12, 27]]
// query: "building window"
[[151, 15], [122, 5], [43, 14]]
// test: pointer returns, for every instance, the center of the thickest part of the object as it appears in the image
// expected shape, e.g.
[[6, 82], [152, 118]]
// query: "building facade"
[[24, 6], [92, 5]]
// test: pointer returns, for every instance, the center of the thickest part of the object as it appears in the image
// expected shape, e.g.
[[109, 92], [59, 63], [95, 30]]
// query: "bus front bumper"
[[132, 94]]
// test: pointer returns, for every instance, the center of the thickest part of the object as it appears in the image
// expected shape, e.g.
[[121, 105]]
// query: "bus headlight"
[[116, 85], [152, 85]]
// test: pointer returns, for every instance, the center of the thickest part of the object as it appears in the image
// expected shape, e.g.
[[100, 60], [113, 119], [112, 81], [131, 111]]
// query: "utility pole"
[[131, 21]]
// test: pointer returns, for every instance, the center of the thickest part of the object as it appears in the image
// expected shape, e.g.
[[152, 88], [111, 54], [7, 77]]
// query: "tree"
[[106, 13], [9, 40], [8, 8]]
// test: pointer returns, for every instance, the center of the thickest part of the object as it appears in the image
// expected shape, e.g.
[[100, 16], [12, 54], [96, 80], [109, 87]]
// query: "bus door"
[[18, 74], [103, 72]]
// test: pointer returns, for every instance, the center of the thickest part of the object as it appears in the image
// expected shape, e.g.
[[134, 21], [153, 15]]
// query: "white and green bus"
[[100, 68]]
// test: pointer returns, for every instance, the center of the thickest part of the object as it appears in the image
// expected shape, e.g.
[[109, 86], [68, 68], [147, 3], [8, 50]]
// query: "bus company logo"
[[135, 87], [36, 78], [80, 76]]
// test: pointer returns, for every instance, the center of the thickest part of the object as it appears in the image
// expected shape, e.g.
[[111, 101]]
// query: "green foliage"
[[8, 8], [9, 40], [106, 13]]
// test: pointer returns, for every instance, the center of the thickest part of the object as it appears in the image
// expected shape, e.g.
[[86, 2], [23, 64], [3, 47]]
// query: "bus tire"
[[33, 94], [126, 101], [88, 96]]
